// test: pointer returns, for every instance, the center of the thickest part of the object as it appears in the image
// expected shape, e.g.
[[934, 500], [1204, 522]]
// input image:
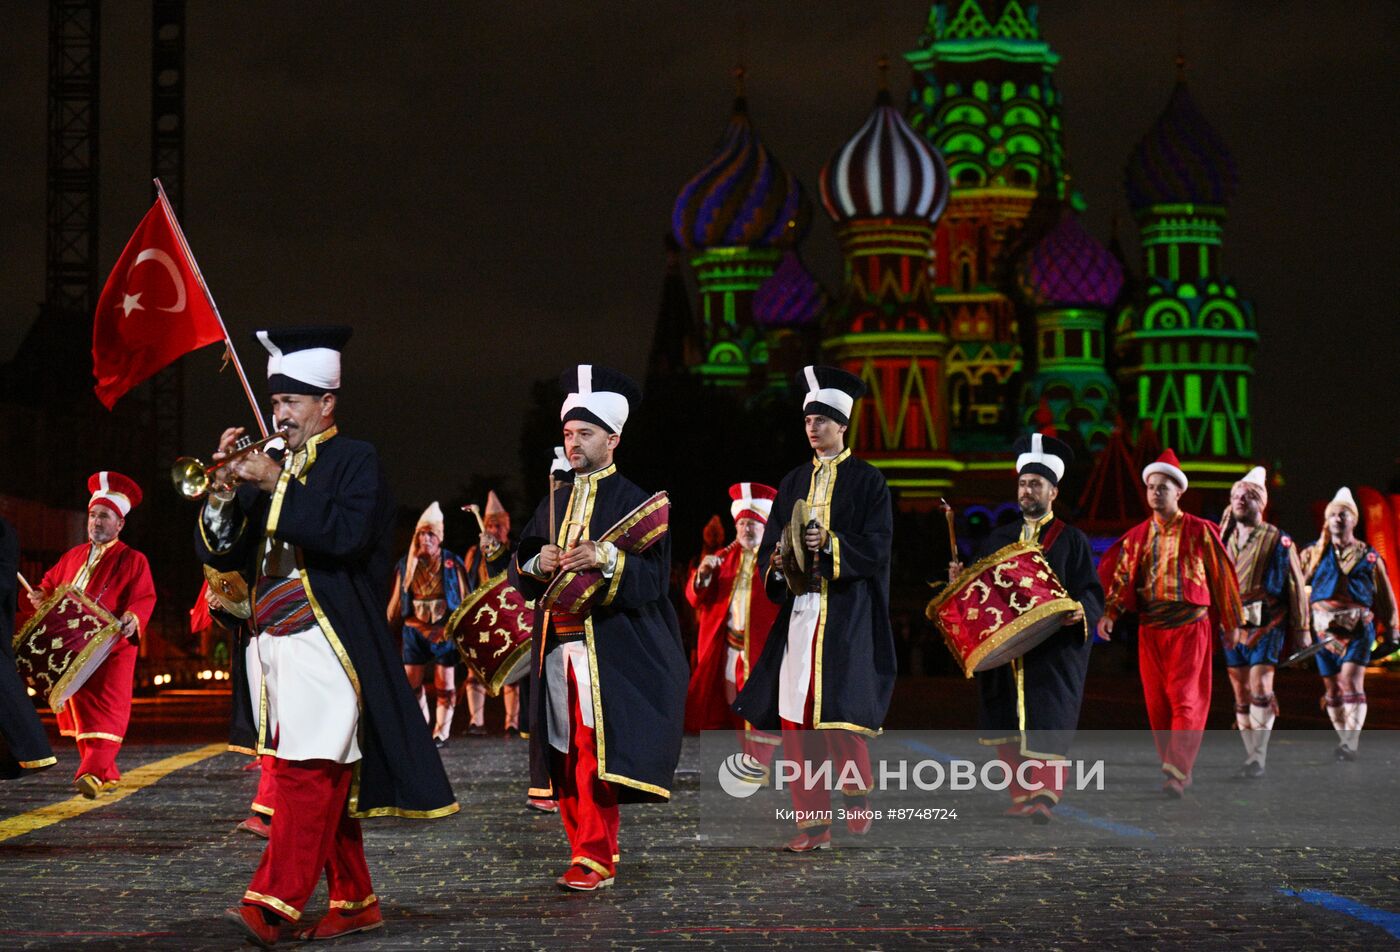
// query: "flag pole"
[[199, 276]]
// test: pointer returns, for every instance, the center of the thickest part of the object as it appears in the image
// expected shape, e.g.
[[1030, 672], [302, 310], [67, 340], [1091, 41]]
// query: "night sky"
[[481, 189]]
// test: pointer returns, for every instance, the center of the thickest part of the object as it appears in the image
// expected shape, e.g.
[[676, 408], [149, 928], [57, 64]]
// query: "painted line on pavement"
[[1389, 921], [132, 781]]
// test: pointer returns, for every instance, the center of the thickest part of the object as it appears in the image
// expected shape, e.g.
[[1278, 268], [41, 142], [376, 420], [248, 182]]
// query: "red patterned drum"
[[65, 641], [576, 592], [1001, 607], [492, 629]]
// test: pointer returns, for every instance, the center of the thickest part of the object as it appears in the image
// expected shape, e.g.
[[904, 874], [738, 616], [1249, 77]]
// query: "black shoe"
[[476, 730], [512, 732], [439, 742], [1252, 770], [1344, 754]]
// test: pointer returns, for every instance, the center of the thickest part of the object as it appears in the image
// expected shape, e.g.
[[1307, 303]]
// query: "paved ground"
[[152, 870]]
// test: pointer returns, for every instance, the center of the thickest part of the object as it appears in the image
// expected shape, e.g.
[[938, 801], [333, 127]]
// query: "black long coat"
[[855, 657], [634, 646], [337, 515]]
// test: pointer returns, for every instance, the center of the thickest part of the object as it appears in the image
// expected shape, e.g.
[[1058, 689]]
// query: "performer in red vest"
[[1174, 572], [118, 578], [734, 614]]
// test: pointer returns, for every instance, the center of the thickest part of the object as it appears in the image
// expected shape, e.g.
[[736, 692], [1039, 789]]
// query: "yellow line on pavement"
[[131, 781]]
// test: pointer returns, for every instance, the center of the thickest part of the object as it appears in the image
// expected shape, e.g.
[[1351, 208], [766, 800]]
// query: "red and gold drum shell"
[[1001, 607], [492, 629], [65, 641]]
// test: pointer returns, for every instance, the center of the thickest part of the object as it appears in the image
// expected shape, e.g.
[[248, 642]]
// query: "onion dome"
[[885, 170], [742, 198], [1181, 160], [1069, 268], [790, 297]]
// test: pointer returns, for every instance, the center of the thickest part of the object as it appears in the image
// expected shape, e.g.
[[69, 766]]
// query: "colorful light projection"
[[737, 216], [1187, 342]]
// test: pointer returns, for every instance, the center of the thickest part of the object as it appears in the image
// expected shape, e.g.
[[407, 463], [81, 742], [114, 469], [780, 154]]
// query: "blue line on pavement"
[[933, 752], [1122, 829], [1389, 921]]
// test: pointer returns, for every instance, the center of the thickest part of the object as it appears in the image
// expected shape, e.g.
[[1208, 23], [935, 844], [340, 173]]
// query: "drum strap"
[[1056, 527]]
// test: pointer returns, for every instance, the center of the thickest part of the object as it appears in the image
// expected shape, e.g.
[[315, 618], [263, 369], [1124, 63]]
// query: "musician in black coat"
[[607, 684], [1029, 708], [829, 662], [325, 685], [23, 744]]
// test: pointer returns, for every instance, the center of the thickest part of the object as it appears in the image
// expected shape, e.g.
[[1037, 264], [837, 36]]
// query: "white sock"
[[1261, 716], [1334, 711], [445, 710], [1354, 708], [423, 706], [1246, 734]]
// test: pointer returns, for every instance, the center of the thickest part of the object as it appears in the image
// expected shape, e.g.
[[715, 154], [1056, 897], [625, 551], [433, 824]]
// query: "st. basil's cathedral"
[[975, 305]]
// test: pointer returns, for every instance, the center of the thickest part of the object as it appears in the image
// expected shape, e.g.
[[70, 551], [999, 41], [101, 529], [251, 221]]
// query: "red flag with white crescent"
[[153, 308]]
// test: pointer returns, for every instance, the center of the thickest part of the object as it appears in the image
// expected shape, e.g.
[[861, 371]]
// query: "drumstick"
[[25, 582], [475, 510], [553, 520], [952, 534]]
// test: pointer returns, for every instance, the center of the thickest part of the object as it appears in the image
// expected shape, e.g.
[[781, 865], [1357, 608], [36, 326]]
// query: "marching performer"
[[429, 584], [118, 578], [1275, 602], [23, 745], [1029, 709], [1350, 590], [484, 561], [324, 689], [829, 661], [1172, 570], [607, 686], [734, 614]]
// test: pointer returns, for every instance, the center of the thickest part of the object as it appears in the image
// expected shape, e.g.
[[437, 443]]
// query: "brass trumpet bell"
[[191, 477]]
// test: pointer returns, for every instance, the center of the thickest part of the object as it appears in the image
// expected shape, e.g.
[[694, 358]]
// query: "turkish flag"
[[153, 308]]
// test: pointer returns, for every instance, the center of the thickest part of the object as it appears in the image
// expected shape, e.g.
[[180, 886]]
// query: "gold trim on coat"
[[272, 902]]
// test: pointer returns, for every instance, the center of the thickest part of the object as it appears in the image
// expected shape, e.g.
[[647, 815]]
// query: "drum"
[[492, 629], [1001, 607], [59, 648], [576, 592]]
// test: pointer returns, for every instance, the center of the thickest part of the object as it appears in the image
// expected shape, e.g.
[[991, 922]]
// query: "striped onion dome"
[[742, 198], [1181, 160], [885, 170], [1069, 268], [790, 297]]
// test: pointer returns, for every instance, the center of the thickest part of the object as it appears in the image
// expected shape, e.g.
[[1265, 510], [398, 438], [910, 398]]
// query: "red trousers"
[[587, 803], [267, 786], [313, 833], [1175, 668], [1041, 780], [97, 715], [810, 796]]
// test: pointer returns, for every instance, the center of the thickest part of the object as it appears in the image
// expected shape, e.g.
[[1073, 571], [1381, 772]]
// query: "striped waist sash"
[[1172, 614], [280, 606]]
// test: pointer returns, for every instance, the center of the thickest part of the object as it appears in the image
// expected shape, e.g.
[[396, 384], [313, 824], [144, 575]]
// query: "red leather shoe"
[[806, 841], [1040, 813], [1174, 788], [255, 825], [543, 806], [339, 922], [583, 879], [1017, 810], [251, 923]]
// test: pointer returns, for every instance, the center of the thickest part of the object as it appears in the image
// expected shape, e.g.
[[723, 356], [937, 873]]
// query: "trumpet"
[[192, 477]]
